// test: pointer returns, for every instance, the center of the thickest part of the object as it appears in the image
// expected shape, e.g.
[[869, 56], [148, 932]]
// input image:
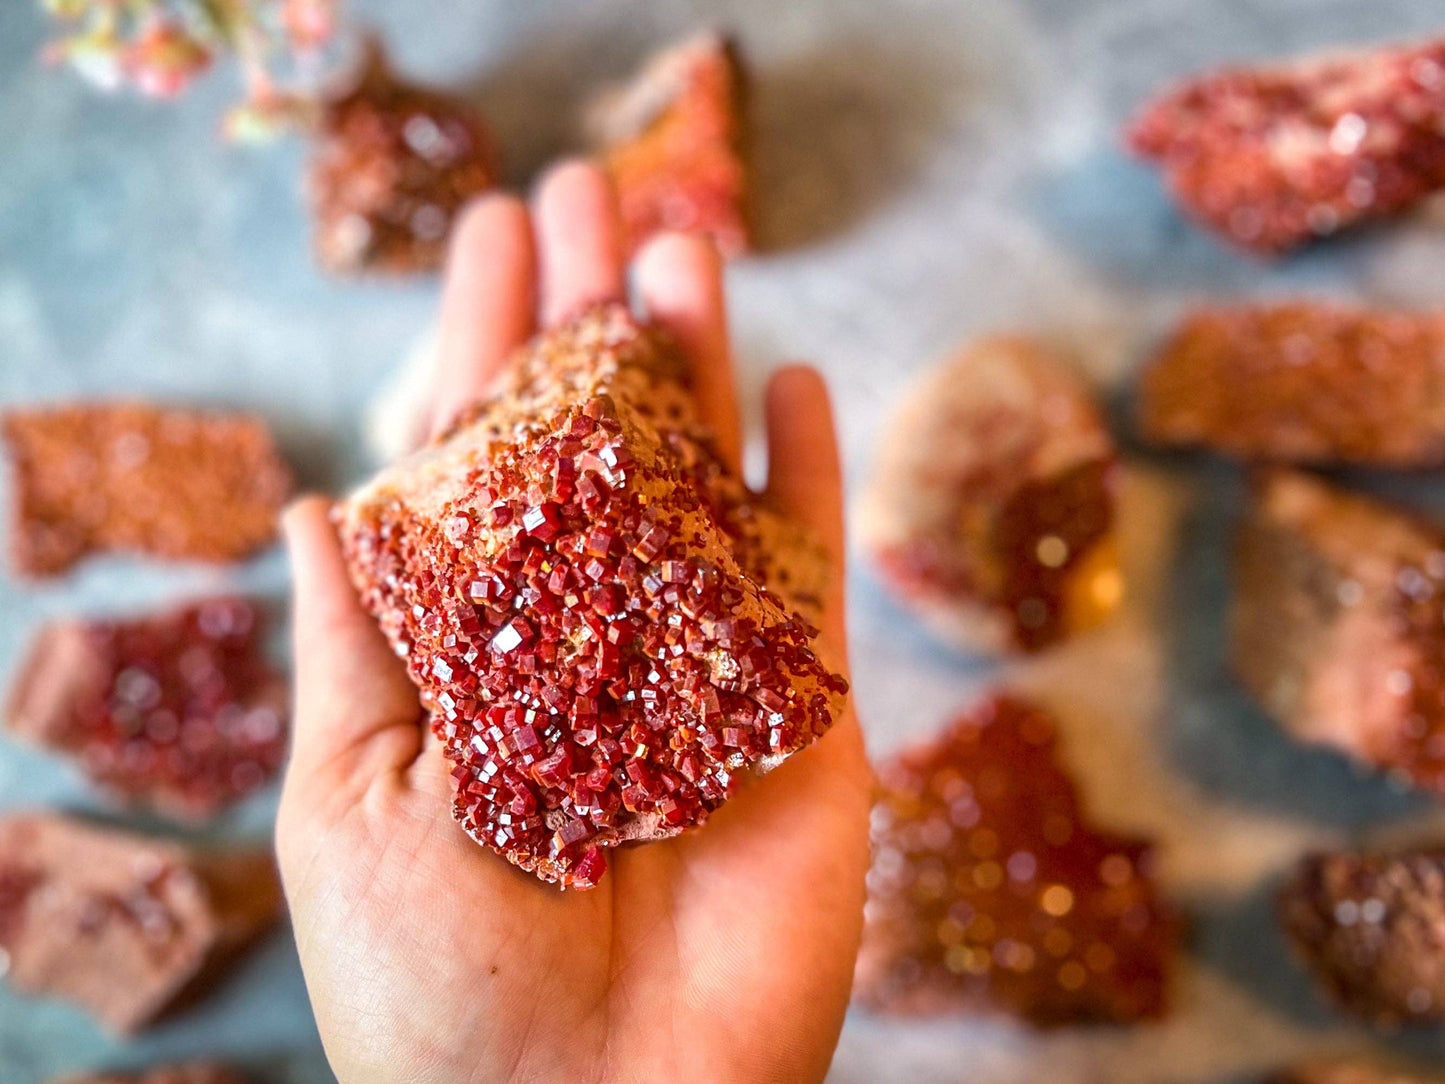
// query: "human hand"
[[721, 954]]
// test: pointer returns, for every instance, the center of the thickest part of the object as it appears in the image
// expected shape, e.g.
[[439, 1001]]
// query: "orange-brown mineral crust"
[[1371, 928], [674, 145], [991, 507], [607, 628], [991, 891], [392, 165], [166, 482], [123, 925], [1338, 624], [1273, 157], [1302, 382]]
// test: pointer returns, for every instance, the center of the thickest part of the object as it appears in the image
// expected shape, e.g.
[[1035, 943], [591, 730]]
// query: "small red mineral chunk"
[[1371, 928], [991, 507], [990, 891], [674, 144], [606, 626], [196, 1072], [1339, 623], [1302, 382], [1348, 1072], [123, 925], [141, 479], [392, 165], [180, 712], [1274, 157]]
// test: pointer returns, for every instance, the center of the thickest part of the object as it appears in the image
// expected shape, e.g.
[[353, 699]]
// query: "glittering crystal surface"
[[606, 628], [180, 712], [1303, 382], [139, 478], [392, 165], [1339, 623], [1371, 927], [991, 509], [1272, 157], [990, 890], [675, 144]]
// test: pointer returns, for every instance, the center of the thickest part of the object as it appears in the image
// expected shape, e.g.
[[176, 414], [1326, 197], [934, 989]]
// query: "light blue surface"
[[927, 170]]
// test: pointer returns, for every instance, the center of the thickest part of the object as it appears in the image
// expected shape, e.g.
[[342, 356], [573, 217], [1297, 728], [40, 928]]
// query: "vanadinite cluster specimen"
[[1371, 928], [674, 144], [180, 712], [190, 1073], [607, 628], [132, 477], [1338, 624], [1302, 382], [991, 507], [991, 891], [1273, 157], [123, 925], [1348, 1072], [392, 165]]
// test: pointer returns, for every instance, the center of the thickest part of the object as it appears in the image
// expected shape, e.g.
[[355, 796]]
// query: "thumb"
[[355, 707]]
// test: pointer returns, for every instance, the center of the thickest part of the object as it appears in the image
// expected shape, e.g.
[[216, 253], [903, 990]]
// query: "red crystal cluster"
[[603, 623], [1339, 623], [121, 924], [1371, 927], [92, 477], [189, 1073], [1348, 1071], [392, 164], [180, 712], [991, 891], [674, 144], [1273, 157], [991, 510], [1304, 382]]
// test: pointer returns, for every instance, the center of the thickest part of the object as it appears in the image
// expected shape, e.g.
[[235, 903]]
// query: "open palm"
[[723, 954]]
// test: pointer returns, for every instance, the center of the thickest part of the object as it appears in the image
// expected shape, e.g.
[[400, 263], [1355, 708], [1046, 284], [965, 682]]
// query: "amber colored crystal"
[[391, 166], [139, 478], [1302, 382], [991, 890], [991, 507]]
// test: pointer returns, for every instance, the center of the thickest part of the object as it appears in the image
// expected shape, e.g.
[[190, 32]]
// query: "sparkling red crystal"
[[606, 658], [138, 478], [1273, 157], [990, 889], [1302, 382], [1338, 624], [1371, 929], [180, 712], [188, 1073], [674, 144], [392, 165], [991, 509]]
